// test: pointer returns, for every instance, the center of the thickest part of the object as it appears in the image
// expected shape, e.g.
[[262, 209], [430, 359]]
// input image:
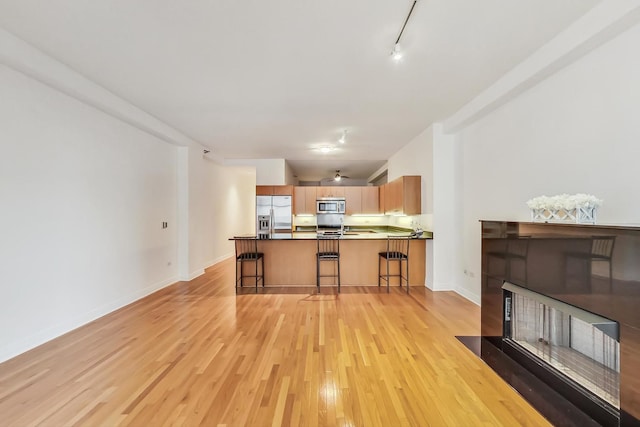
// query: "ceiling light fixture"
[[326, 149], [343, 138], [339, 177], [396, 53]]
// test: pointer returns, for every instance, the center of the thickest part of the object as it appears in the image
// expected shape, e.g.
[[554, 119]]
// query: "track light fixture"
[[396, 53]]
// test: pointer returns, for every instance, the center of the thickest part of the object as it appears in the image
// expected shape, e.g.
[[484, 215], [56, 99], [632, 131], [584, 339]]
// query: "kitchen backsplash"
[[424, 221]]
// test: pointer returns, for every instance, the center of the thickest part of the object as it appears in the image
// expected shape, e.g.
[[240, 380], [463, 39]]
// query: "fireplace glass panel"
[[575, 348]]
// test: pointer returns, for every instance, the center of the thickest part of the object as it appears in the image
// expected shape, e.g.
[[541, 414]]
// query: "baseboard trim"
[[441, 287], [16, 348], [194, 274], [474, 298], [219, 259]]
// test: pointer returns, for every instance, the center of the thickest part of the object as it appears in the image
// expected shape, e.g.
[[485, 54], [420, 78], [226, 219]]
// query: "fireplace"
[[576, 347], [568, 316]]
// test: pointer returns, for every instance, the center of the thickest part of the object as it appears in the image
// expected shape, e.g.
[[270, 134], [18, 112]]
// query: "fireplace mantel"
[[593, 267]]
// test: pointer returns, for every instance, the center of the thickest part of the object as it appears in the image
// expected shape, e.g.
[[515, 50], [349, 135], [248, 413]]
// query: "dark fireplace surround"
[[570, 279]]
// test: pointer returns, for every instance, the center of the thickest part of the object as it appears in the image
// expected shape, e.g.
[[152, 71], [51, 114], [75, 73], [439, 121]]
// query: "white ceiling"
[[277, 78]]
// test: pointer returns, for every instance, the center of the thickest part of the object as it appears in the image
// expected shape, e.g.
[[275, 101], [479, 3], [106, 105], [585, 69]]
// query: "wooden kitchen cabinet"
[[304, 200], [311, 196], [283, 190], [362, 200], [330, 191], [393, 201], [292, 262], [299, 201], [411, 195], [353, 198], [403, 196], [370, 200], [274, 190], [264, 190]]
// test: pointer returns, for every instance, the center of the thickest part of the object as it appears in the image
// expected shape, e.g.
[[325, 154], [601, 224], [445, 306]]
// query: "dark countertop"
[[348, 235]]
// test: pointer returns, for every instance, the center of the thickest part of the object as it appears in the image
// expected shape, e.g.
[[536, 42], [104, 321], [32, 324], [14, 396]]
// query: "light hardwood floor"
[[197, 354]]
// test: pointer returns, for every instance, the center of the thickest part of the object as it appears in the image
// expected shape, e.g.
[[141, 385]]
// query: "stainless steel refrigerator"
[[278, 209]]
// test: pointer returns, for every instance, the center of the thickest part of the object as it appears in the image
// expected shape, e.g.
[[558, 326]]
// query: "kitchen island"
[[290, 258]]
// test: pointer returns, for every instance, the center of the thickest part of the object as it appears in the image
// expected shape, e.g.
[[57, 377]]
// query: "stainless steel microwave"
[[331, 205]]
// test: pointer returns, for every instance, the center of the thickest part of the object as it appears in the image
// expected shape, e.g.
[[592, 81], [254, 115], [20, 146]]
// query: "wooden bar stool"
[[328, 250], [246, 252], [397, 251]]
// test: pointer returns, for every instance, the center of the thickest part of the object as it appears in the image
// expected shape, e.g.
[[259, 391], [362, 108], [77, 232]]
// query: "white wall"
[[268, 171], [83, 199], [417, 158], [86, 181], [446, 213], [222, 204], [289, 175], [576, 131]]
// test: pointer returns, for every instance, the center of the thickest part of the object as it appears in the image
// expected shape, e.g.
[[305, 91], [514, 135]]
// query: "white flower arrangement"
[[580, 208], [565, 202]]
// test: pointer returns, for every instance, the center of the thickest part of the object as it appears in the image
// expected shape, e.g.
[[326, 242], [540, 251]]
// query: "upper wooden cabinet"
[[353, 199], [370, 200], [362, 200], [283, 190], [394, 197], [304, 200], [330, 191], [403, 196], [400, 196], [264, 190], [274, 190]]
